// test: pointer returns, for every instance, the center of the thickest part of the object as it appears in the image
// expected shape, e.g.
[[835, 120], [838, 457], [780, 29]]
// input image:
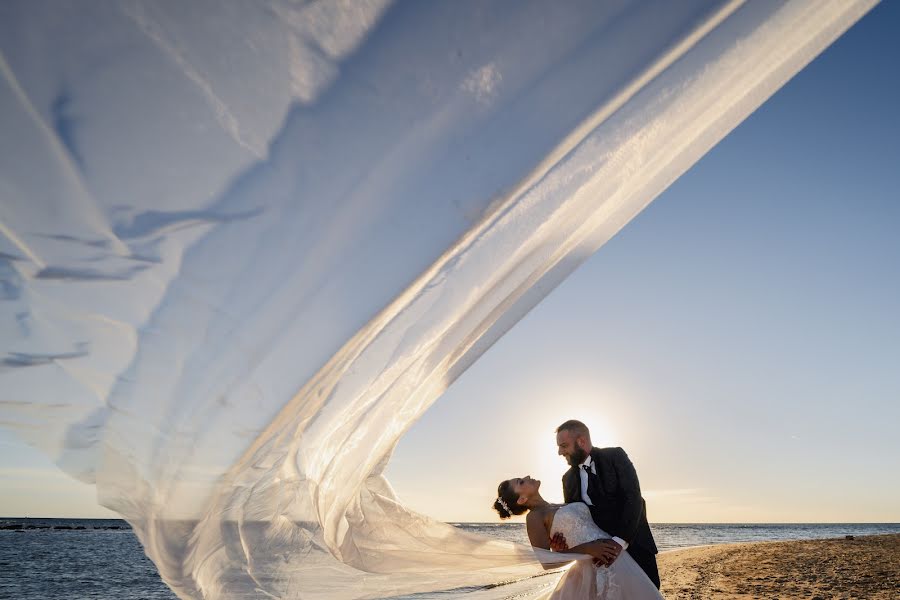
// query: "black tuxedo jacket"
[[618, 506]]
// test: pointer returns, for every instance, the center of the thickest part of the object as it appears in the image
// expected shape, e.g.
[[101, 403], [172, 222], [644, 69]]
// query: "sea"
[[75, 559]]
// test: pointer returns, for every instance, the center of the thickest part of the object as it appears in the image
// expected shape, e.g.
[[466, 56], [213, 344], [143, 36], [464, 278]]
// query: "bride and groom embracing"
[[604, 516]]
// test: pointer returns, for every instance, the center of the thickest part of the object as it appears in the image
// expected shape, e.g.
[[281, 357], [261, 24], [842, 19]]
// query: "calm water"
[[50, 559], [681, 535]]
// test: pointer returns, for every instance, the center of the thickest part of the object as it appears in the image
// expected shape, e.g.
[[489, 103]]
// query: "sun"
[[548, 465]]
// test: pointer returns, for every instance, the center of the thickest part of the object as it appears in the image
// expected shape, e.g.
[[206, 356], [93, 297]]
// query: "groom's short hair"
[[575, 427]]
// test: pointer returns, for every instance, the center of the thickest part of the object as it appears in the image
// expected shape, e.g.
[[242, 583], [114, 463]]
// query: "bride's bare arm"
[[540, 537], [604, 550], [537, 530]]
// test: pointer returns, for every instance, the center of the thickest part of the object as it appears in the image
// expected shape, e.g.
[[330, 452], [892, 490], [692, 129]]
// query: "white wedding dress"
[[623, 580]]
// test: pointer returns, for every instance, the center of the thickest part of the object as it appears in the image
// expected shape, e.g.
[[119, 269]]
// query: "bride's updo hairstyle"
[[507, 502]]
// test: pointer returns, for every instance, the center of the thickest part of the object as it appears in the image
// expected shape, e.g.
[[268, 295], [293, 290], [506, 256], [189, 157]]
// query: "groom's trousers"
[[646, 560]]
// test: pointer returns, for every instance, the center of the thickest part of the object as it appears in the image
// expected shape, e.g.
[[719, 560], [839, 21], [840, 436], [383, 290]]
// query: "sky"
[[739, 338]]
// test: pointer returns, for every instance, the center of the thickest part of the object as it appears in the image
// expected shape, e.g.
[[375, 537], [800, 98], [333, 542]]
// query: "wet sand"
[[865, 567]]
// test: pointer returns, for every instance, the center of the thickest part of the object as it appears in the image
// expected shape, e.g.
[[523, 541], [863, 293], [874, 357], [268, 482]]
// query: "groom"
[[605, 480]]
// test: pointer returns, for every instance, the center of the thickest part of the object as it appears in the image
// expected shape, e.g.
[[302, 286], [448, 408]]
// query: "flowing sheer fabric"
[[245, 245]]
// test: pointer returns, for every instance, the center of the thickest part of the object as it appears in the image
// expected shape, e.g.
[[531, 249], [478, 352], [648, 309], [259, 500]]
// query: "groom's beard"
[[577, 457]]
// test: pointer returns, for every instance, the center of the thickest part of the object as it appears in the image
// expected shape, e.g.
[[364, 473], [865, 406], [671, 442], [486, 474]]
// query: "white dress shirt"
[[584, 491]]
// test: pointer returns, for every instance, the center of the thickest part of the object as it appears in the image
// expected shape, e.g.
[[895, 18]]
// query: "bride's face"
[[525, 487]]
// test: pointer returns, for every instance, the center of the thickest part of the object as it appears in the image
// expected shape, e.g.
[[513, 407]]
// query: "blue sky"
[[739, 338]]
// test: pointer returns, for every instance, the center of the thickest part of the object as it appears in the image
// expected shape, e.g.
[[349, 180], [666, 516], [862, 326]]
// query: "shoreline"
[[861, 567]]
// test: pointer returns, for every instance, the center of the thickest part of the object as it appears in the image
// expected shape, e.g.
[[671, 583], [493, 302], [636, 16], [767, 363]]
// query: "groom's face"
[[571, 447]]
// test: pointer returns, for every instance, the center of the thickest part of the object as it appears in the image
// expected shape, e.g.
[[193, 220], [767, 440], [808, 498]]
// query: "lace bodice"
[[623, 580], [574, 521]]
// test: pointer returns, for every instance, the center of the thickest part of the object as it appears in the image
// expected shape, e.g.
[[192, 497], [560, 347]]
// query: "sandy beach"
[[865, 567]]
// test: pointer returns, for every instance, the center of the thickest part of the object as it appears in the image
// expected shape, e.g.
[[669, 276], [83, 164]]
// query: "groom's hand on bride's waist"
[[558, 543]]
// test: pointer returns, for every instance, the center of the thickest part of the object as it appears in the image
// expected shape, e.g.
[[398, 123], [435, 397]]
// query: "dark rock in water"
[[849, 537], [63, 527], [80, 527]]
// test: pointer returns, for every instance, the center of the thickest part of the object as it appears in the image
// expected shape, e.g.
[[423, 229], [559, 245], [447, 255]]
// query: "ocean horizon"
[[56, 558]]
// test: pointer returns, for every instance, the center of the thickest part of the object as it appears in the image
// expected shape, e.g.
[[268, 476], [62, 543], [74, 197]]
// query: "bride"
[[608, 578]]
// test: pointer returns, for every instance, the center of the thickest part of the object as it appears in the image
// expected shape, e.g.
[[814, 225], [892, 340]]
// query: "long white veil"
[[245, 245]]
